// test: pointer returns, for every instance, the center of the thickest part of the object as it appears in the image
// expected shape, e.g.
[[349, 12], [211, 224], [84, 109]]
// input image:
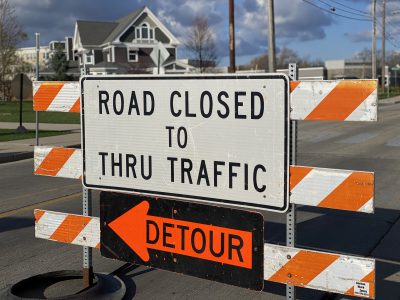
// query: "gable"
[[127, 32], [144, 18], [94, 33]]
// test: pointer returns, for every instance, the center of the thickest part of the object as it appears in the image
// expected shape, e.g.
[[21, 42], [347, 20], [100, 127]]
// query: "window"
[[144, 32], [88, 59], [133, 55]]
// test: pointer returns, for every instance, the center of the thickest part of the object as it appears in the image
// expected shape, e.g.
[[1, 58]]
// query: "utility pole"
[[373, 39], [232, 65], [383, 45], [271, 37]]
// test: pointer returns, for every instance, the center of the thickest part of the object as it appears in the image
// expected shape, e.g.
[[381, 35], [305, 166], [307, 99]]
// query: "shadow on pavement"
[[336, 231], [14, 223]]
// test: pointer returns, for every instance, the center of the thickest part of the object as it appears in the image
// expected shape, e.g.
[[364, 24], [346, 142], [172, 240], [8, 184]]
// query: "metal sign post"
[[291, 214], [87, 251], [87, 211], [37, 35]]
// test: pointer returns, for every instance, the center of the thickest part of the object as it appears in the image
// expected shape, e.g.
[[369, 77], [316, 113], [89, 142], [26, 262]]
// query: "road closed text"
[[222, 104], [217, 173]]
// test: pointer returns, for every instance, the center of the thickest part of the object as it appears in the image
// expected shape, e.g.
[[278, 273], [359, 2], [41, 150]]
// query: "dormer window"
[[144, 32]]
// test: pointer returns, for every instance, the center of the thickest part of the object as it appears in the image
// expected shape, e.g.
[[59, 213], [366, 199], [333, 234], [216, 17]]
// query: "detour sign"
[[189, 238]]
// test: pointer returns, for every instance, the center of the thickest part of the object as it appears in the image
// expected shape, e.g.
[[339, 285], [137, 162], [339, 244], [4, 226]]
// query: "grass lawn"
[[11, 135], [394, 91], [9, 112]]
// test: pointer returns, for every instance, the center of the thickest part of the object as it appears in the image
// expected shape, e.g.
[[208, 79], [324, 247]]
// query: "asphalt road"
[[343, 145]]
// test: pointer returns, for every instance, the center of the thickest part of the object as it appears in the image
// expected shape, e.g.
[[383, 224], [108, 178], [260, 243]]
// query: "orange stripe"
[[352, 193], [54, 161], [70, 228], [297, 174], [370, 278], [45, 95], [303, 268], [38, 215], [342, 100], [294, 85], [98, 246], [76, 107]]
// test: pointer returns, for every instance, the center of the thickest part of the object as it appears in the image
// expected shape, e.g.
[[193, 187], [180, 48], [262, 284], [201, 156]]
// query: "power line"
[[389, 37], [333, 13], [349, 7], [333, 8]]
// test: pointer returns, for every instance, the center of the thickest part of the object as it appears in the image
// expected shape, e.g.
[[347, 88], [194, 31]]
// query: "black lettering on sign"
[[118, 95], [148, 103], [206, 95], [239, 104], [167, 234], [103, 162], [172, 160], [133, 104], [221, 101], [171, 104], [257, 115], [187, 109], [152, 238], [104, 97]]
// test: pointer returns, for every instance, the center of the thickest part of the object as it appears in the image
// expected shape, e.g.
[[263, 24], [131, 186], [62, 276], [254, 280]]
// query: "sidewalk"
[[42, 126], [389, 101], [23, 149]]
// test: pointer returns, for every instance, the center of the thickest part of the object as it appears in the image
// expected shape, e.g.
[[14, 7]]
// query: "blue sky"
[[306, 29]]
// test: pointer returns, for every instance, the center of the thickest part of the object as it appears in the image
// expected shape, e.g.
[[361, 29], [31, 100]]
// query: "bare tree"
[[283, 58], [200, 42], [11, 34]]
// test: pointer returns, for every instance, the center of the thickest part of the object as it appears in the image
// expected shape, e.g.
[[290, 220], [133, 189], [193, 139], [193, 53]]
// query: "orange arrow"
[[141, 232]]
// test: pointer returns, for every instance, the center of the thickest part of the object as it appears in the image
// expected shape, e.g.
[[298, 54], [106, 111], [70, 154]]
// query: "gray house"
[[124, 46]]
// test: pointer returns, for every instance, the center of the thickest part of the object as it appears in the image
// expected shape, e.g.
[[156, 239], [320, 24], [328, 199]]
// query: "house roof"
[[123, 23], [94, 33]]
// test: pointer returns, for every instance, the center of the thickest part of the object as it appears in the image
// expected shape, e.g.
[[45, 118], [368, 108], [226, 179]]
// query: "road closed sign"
[[215, 139]]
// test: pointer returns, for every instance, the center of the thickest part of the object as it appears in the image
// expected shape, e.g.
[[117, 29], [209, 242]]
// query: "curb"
[[16, 156], [388, 103]]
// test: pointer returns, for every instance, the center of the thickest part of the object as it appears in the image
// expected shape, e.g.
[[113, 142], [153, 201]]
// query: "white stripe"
[[66, 98], [368, 207], [40, 154], [367, 110], [90, 235], [73, 167], [317, 185], [48, 224], [342, 274], [307, 96], [36, 85], [275, 257]]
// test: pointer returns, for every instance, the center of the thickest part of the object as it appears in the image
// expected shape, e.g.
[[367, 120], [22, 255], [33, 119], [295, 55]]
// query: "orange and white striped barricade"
[[351, 100], [328, 188], [344, 274], [56, 96]]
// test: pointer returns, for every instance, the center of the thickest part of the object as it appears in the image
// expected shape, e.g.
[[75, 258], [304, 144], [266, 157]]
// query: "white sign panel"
[[159, 51], [214, 139]]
